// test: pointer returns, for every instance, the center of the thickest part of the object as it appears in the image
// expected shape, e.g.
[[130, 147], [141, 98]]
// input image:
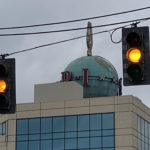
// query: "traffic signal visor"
[[3, 86], [134, 55]]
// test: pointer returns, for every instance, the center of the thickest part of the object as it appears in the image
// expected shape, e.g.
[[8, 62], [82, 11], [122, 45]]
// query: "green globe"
[[102, 76]]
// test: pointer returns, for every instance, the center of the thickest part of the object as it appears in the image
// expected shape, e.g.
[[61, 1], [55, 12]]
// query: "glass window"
[[22, 126], [0, 128], [146, 140], [143, 148], [108, 141], [95, 142], [142, 126], [58, 135], [142, 138], [71, 144], [139, 124], [108, 149], [95, 122], [108, 132], [58, 124], [22, 138], [4, 128], [83, 122], [146, 129], [34, 137], [70, 134], [83, 143], [108, 121], [139, 144], [84, 134], [58, 144], [143, 134], [71, 123], [22, 145], [46, 125], [146, 146], [149, 131], [34, 145], [94, 131], [46, 145], [46, 136], [34, 126]]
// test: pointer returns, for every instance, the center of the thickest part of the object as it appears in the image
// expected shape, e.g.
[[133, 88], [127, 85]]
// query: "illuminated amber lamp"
[[134, 55], [3, 86]]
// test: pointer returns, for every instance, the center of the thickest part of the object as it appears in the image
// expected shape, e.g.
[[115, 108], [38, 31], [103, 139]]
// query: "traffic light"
[[7, 86], [136, 56]]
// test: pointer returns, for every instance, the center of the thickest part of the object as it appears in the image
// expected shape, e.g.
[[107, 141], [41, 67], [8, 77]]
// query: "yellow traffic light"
[[3, 86], [134, 55]]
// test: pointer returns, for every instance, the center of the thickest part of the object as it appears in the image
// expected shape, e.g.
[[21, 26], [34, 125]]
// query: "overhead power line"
[[76, 20], [71, 39], [62, 41], [74, 29]]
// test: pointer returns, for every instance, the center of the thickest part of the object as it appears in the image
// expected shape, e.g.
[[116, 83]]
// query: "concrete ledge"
[[52, 112], [28, 114], [52, 105], [28, 106], [77, 111]]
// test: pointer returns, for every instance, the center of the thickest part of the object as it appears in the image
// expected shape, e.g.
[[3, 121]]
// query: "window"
[[83, 123], [71, 123], [143, 134], [34, 126], [46, 125], [1, 129], [82, 132], [22, 126], [58, 124], [107, 121], [95, 122], [4, 128]]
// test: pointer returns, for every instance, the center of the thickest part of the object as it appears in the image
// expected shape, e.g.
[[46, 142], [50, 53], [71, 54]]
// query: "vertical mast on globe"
[[89, 39]]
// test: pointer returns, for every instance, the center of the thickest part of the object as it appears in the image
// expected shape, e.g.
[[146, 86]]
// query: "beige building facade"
[[129, 115]]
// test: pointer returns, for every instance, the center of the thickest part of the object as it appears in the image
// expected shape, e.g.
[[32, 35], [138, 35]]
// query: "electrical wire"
[[67, 40], [111, 37], [75, 29], [63, 41], [71, 21], [111, 33]]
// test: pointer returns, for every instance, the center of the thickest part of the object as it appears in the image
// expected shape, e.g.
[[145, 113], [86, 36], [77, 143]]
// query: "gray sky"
[[46, 64]]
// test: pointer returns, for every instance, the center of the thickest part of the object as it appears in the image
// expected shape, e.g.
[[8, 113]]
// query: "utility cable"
[[76, 20], [74, 29], [111, 33], [67, 40], [111, 37], [63, 41]]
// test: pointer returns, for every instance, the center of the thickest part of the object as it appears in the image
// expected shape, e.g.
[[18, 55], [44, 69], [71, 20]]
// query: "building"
[[108, 123], [62, 119], [82, 112]]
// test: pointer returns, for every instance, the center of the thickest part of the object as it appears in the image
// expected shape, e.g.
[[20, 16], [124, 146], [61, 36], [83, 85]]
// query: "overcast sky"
[[45, 65]]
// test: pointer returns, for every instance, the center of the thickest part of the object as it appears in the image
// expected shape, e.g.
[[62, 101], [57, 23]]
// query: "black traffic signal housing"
[[136, 56], [7, 86]]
